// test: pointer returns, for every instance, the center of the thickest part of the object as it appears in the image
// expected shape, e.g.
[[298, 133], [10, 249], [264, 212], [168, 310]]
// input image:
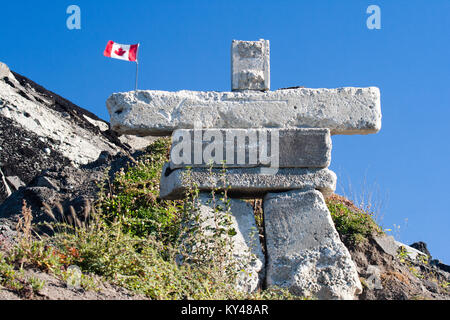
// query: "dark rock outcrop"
[[52, 152], [62, 189], [41, 131], [422, 247]]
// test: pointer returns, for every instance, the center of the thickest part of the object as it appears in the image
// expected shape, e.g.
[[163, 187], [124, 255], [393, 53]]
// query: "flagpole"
[[137, 70], [137, 67]]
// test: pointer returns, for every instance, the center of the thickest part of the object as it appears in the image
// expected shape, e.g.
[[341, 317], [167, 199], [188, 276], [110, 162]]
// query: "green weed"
[[353, 224]]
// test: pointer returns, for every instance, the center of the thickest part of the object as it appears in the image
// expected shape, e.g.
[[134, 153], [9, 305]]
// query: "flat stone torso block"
[[343, 111], [246, 148], [244, 182]]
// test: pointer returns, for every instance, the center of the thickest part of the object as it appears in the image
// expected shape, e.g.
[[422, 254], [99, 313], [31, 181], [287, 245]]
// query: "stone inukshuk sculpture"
[[276, 145]]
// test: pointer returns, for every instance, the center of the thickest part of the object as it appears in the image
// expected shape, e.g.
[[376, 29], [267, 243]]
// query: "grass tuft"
[[353, 224]]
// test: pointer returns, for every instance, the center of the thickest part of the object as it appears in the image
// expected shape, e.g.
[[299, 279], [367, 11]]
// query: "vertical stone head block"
[[250, 65]]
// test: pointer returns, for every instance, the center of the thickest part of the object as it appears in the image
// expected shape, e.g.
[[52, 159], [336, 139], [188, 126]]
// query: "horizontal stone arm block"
[[343, 111], [245, 148], [244, 182]]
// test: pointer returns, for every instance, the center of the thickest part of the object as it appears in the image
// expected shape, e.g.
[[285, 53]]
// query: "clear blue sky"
[[186, 45]]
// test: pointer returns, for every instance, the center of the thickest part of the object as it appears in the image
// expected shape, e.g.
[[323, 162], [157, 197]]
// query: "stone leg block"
[[304, 251], [246, 148], [245, 182], [247, 249]]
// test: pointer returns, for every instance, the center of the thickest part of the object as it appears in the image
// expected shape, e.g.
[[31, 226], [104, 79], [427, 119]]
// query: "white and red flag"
[[127, 52]]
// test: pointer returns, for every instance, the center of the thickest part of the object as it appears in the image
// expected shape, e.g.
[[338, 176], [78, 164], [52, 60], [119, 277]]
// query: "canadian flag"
[[126, 52]]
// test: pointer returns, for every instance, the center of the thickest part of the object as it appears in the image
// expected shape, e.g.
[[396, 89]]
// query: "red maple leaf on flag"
[[120, 52]]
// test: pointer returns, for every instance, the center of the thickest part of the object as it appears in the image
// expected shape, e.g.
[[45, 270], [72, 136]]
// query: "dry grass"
[[348, 203], [392, 275], [24, 224]]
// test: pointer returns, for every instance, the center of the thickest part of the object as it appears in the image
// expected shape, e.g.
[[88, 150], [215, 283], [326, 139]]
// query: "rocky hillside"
[[39, 130], [54, 155], [388, 269], [54, 149]]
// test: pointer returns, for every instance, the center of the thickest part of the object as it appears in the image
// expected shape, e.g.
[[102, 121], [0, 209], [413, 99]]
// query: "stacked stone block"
[[272, 144]]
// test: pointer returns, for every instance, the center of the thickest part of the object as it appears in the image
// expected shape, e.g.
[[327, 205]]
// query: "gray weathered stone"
[[44, 181], [304, 252], [247, 249], [4, 70], [67, 133], [5, 184], [343, 111], [245, 182], [242, 148], [391, 247], [250, 65], [15, 182]]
